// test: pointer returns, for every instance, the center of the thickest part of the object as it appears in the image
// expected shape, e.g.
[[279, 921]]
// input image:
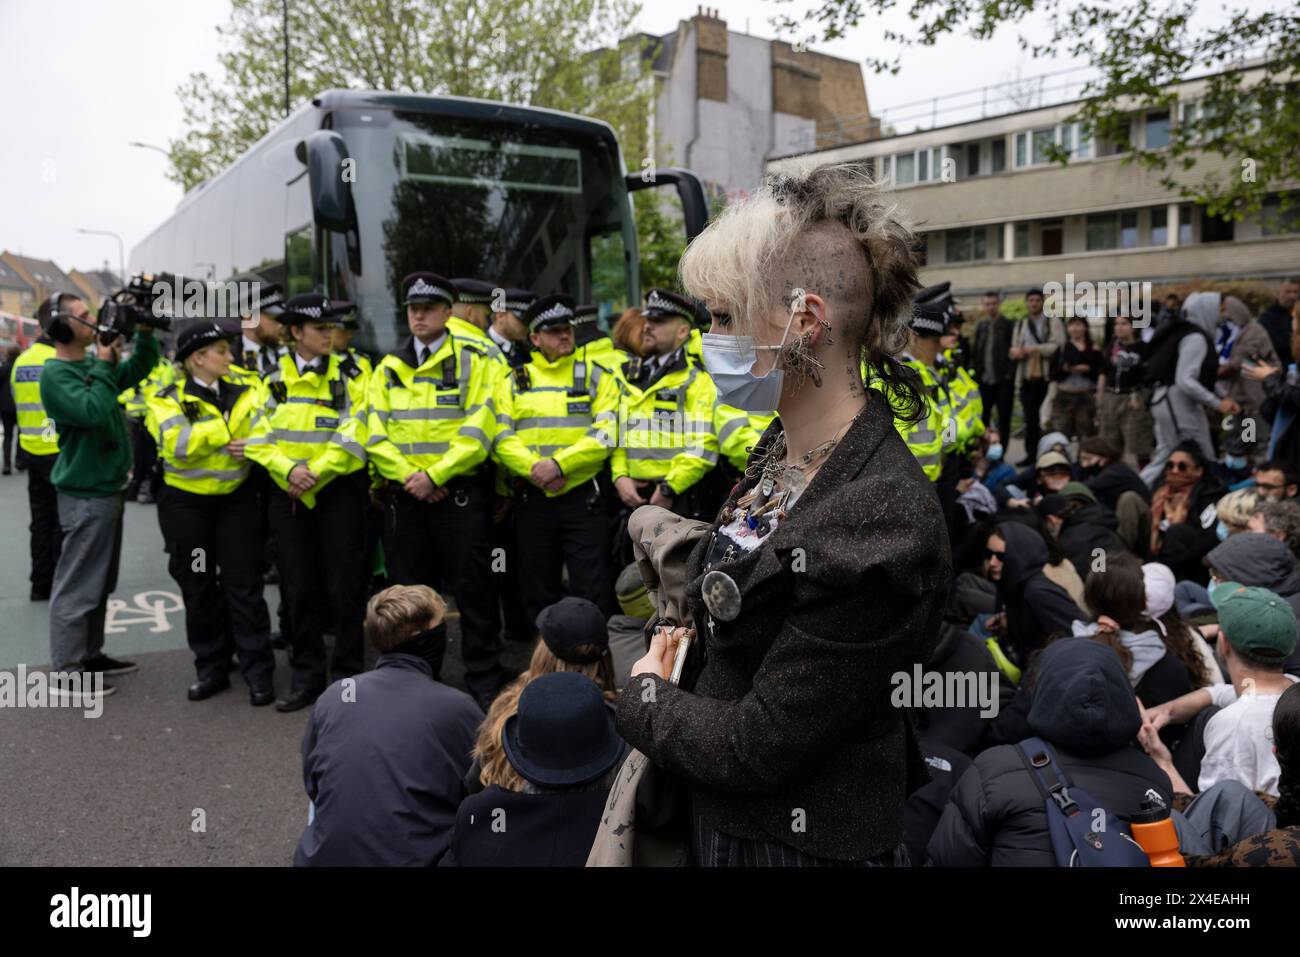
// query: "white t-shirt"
[[1239, 740]]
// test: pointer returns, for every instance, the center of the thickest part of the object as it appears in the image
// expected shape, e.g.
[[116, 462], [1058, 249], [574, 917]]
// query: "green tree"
[[563, 54], [1251, 119]]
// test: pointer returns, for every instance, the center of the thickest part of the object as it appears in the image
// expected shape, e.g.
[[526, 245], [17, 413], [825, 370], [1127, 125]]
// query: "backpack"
[[1162, 355], [1071, 813]]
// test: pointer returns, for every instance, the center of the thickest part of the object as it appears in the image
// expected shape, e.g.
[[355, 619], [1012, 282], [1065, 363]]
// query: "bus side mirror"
[[695, 211], [324, 153]]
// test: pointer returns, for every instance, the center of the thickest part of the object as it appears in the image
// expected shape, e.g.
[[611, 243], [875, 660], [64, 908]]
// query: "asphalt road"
[[156, 779]]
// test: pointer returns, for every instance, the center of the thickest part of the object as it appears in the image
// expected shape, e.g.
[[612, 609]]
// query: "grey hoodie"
[[1146, 647], [1202, 310]]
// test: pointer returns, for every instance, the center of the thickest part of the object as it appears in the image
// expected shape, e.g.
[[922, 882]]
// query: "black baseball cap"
[[572, 622]]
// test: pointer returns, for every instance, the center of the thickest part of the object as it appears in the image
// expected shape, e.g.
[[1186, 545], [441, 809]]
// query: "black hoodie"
[[1036, 607], [1083, 706], [1086, 530], [1113, 481]]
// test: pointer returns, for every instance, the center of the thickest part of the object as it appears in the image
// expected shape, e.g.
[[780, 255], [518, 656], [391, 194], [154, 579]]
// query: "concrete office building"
[[996, 213], [727, 102]]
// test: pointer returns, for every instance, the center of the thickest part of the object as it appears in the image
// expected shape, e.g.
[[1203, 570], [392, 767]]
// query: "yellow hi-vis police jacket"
[[134, 400], [924, 437], [314, 420], [736, 434], [438, 418], [36, 433], [566, 410], [967, 405], [192, 435], [666, 431]]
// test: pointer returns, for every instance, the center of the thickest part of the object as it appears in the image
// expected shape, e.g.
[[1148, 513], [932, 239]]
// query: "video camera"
[[133, 305]]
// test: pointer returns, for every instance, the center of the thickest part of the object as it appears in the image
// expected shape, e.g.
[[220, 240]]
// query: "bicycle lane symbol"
[[150, 608]]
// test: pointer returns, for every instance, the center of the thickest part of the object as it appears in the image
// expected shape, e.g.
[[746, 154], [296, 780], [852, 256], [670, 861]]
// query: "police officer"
[[432, 421], [510, 335], [262, 342], [557, 421], [344, 334], [209, 512], [471, 313], [967, 406], [667, 441], [38, 448], [508, 331], [928, 437], [310, 437], [145, 480]]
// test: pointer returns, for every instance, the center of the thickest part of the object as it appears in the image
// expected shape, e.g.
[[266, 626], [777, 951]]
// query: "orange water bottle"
[[1154, 831]]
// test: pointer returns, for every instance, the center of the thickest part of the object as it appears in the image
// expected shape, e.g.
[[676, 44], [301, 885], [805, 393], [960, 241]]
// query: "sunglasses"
[[1179, 466], [1268, 486], [990, 554]]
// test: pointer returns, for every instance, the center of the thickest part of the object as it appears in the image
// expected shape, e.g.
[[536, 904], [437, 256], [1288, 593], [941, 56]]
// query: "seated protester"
[[991, 465], [574, 637], [944, 724], [1234, 511], [1052, 472], [925, 805], [1279, 845], [1257, 633], [1083, 707], [1083, 529], [1104, 472], [1275, 481], [1181, 638], [1117, 596], [1183, 513], [562, 745], [1280, 520], [1032, 608], [627, 642], [974, 506], [385, 753]]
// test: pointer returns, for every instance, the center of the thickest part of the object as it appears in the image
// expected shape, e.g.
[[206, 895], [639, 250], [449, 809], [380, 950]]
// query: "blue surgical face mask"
[[994, 454], [730, 361], [1221, 531], [1234, 463]]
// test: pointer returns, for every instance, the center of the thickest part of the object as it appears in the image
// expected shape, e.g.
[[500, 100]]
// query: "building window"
[[1102, 231], [1216, 230], [1275, 220], [972, 159], [1033, 147], [918, 166], [904, 168], [999, 158], [1128, 230], [1157, 130], [1051, 234], [966, 245], [1185, 224], [1159, 226], [1022, 240], [999, 242]]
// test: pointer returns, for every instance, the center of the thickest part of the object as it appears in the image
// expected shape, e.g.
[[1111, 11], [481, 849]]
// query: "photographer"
[[80, 394]]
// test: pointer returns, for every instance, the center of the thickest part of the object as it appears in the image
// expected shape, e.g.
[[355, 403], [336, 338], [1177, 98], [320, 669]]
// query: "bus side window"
[[298, 263]]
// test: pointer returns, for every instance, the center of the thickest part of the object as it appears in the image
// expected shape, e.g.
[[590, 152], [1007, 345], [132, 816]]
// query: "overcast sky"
[[64, 159]]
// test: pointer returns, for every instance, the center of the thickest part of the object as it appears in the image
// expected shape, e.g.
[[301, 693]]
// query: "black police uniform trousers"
[[144, 468], [510, 602], [213, 545], [446, 545], [569, 530], [46, 532], [319, 555]]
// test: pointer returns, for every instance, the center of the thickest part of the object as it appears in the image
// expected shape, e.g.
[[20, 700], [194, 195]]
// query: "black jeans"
[[446, 545], [319, 558], [1032, 394], [999, 397], [46, 532], [214, 547]]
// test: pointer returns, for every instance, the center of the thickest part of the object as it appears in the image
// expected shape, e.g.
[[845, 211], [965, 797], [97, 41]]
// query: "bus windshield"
[[524, 205]]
